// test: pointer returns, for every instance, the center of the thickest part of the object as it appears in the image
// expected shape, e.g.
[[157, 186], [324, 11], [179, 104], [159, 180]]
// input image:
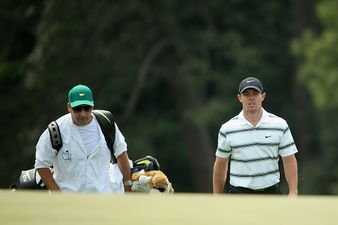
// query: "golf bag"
[[30, 179]]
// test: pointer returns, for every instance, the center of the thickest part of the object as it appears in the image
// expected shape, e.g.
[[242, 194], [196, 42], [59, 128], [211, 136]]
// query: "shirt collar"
[[264, 117]]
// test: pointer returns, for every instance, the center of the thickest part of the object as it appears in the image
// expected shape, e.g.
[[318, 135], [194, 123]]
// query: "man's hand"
[[48, 180]]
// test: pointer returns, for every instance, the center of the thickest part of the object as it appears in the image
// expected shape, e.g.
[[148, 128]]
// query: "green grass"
[[40, 208]]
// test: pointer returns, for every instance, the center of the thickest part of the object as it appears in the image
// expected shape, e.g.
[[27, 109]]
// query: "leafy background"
[[169, 71]]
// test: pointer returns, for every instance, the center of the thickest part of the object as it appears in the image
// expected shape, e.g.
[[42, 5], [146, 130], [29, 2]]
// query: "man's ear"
[[239, 98], [263, 95], [69, 107]]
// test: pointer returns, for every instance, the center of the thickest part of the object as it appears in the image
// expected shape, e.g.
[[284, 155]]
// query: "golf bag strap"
[[106, 122], [55, 136]]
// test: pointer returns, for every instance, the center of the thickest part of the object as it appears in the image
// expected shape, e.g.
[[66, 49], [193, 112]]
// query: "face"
[[251, 100], [81, 114]]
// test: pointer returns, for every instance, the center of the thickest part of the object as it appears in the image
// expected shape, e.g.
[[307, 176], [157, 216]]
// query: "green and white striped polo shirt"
[[255, 151]]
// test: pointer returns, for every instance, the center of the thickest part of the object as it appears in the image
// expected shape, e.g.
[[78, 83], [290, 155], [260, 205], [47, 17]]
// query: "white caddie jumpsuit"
[[74, 171]]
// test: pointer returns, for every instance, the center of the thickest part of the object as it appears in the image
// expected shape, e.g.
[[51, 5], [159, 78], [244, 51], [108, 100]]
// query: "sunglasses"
[[86, 108]]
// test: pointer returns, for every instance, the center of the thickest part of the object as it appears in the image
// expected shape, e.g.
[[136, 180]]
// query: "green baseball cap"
[[80, 95]]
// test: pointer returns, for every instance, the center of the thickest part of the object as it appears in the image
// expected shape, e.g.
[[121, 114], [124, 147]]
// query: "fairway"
[[39, 208]]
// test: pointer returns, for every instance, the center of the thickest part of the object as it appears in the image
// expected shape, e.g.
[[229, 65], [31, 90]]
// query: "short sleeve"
[[223, 147], [287, 145], [45, 153], [120, 144]]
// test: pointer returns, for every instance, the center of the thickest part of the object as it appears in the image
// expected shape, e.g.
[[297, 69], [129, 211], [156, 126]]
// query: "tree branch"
[[142, 75]]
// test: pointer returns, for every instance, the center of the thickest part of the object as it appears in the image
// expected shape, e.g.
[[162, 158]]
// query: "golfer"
[[253, 142]]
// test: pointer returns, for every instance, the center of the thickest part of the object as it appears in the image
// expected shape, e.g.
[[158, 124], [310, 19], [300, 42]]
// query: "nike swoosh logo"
[[267, 136], [249, 81]]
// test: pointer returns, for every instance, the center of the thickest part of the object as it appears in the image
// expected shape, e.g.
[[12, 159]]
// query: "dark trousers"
[[273, 190]]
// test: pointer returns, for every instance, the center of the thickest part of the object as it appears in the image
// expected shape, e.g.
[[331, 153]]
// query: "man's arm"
[[48, 179], [123, 162], [291, 174], [220, 174]]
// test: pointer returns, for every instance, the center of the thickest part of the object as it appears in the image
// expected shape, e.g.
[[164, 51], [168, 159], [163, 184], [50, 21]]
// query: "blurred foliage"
[[320, 53], [162, 67], [18, 21], [320, 73]]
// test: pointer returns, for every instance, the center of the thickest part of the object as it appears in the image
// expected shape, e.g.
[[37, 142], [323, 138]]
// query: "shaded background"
[[169, 71]]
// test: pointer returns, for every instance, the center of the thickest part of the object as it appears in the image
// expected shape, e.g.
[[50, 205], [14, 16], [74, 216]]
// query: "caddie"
[[82, 164]]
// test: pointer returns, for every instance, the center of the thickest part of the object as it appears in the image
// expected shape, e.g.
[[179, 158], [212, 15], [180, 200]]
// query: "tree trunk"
[[199, 147], [303, 17], [198, 142]]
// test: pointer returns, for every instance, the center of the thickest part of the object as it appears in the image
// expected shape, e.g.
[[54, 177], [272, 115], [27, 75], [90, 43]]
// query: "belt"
[[274, 189]]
